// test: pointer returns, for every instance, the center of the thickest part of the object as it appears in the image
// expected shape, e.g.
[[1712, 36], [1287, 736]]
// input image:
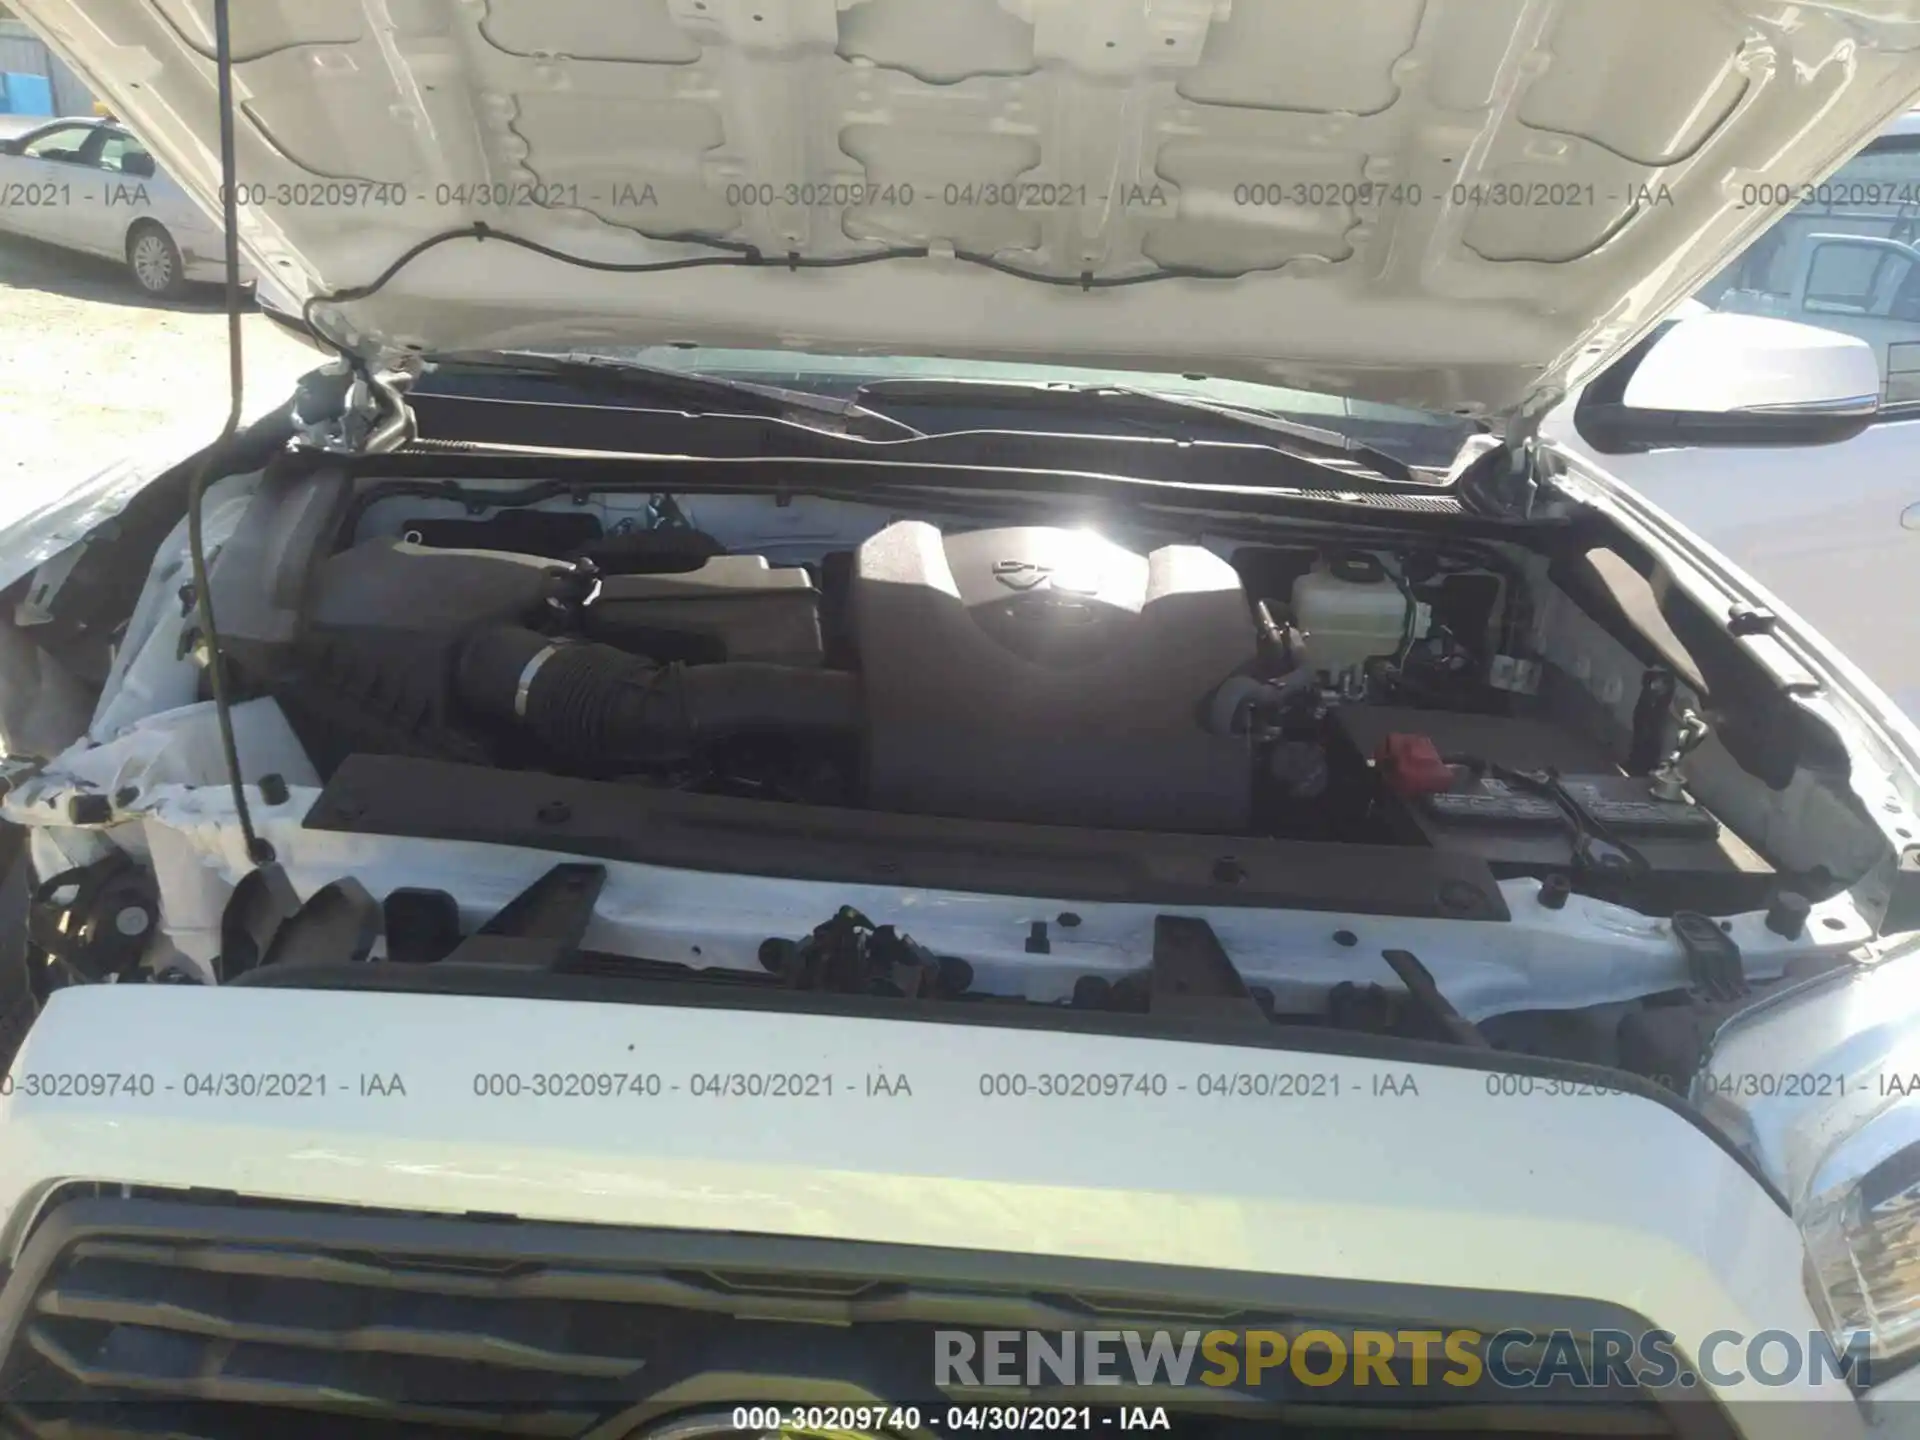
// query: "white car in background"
[[86, 183]]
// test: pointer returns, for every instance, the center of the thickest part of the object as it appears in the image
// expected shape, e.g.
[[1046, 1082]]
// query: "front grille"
[[160, 1318], [531, 1352]]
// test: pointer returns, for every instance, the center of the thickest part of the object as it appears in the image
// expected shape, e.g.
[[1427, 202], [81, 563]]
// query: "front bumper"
[[1361, 1186]]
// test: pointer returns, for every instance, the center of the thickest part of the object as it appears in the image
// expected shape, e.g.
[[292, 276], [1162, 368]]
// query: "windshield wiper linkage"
[[1303, 441]]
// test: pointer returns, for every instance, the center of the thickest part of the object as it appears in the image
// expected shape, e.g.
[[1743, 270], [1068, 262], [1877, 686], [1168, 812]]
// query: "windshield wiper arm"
[[1332, 442], [704, 394], [1310, 442]]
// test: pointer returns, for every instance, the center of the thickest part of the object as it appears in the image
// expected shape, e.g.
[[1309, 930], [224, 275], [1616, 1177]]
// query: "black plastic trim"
[[502, 1242], [1109, 468], [762, 1263], [1626, 430], [439, 800], [624, 426]]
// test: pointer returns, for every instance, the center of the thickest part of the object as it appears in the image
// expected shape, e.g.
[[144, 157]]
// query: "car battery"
[[1694, 862]]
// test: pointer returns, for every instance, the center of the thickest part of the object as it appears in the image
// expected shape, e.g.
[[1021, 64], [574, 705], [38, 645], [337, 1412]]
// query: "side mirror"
[[1722, 379], [137, 163]]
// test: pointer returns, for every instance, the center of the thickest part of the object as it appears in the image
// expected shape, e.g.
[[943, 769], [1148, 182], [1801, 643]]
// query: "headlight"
[[1862, 1227], [1821, 1085]]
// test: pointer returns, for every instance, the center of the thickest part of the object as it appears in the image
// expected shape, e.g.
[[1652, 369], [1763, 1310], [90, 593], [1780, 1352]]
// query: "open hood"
[[1454, 204]]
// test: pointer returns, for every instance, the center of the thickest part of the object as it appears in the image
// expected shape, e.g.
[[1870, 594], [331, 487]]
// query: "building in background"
[[34, 81]]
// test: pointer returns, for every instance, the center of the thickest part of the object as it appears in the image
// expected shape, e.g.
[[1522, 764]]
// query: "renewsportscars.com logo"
[[1460, 1361]]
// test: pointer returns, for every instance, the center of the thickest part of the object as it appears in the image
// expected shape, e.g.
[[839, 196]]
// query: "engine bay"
[[1384, 773], [1330, 689]]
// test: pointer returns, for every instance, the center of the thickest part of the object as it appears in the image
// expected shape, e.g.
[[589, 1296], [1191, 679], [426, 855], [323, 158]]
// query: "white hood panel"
[[1449, 203]]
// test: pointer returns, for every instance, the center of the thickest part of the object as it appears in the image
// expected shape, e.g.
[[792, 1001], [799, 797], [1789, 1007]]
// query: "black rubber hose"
[[598, 706]]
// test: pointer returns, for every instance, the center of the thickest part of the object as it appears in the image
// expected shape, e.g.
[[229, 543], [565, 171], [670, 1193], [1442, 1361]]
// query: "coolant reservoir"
[[1350, 612]]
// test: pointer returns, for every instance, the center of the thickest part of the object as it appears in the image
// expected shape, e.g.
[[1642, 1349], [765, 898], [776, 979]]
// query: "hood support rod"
[[259, 852]]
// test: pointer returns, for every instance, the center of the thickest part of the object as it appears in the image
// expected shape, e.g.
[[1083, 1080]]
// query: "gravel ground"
[[89, 368]]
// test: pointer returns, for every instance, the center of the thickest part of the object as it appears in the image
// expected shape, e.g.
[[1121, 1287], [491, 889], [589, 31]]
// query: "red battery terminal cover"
[[1409, 765]]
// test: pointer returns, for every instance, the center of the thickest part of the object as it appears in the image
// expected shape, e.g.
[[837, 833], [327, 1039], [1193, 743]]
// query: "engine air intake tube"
[[598, 706]]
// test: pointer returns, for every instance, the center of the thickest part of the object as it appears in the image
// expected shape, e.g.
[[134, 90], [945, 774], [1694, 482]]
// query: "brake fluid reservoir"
[[1350, 612]]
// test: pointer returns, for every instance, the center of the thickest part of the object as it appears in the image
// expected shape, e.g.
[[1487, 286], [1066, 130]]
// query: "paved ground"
[[89, 368]]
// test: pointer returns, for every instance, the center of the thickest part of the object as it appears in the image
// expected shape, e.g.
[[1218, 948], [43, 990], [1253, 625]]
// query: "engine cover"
[[1050, 676]]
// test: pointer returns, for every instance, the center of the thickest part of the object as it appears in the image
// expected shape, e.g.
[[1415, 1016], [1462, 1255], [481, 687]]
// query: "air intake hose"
[[596, 706]]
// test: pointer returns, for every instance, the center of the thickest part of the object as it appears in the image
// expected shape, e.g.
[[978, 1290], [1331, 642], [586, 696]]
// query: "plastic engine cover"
[[1050, 676]]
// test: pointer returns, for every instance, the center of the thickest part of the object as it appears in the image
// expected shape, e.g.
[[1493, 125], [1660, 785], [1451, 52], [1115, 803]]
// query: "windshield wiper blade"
[[1308, 442], [703, 394]]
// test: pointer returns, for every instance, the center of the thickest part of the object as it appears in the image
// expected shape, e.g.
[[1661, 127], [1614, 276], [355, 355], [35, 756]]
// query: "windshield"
[[1415, 437]]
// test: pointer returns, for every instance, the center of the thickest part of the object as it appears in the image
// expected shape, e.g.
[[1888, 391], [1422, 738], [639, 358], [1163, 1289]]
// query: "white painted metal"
[[1449, 1186], [1721, 363], [1440, 202]]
